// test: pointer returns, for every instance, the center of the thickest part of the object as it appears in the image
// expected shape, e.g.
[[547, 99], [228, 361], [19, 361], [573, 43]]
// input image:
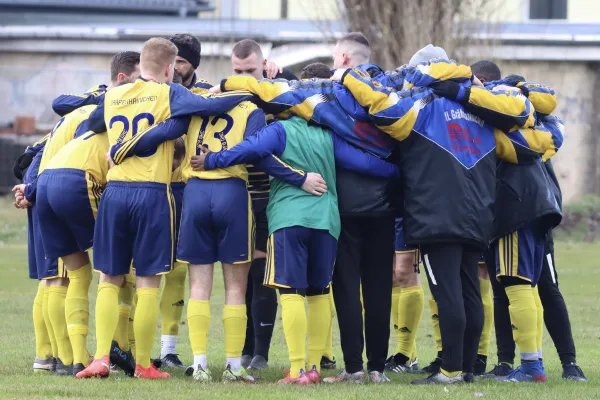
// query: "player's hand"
[[271, 69], [24, 203], [314, 184], [198, 161], [108, 157], [337, 75], [476, 82], [215, 89], [19, 189]]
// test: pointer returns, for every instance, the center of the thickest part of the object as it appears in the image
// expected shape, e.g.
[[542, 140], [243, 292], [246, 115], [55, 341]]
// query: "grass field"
[[579, 279]]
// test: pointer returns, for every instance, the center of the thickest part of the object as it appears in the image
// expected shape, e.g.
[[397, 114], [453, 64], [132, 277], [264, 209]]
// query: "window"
[[547, 9]]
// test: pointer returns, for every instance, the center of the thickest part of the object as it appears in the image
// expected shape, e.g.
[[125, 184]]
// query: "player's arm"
[[184, 103], [65, 103], [426, 73], [270, 140], [25, 159], [275, 167], [392, 112], [150, 138], [95, 121], [351, 158], [31, 178]]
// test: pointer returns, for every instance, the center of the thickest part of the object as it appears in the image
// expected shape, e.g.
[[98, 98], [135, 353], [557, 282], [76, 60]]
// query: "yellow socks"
[[523, 316], [107, 304], [435, 322], [198, 315], [540, 320], [171, 308], [145, 322], [130, 331], [125, 301], [329, 343], [293, 315], [234, 325], [395, 296], [48, 323], [78, 313], [56, 312], [43, 348], [488, 316], [318, 328], [410, 308]]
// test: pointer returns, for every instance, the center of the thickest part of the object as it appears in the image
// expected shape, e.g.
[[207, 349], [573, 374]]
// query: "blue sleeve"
[[83, 127], [33, 169], [270, 140], [148, 139], [36, 148], [96, 119], [351, 158], [273, 166], [65, 103], [256, 121], [184, 103]]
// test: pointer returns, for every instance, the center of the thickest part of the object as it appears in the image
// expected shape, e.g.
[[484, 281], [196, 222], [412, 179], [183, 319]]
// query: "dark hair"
[[244, 48], [316, 70], [179, 149], [125, 62], [188, 47], [357, 37], [486, 71]]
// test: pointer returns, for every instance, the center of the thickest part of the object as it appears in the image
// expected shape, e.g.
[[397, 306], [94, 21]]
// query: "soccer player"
[[172, 302], [261, 302], [303, 229], [136, 216]]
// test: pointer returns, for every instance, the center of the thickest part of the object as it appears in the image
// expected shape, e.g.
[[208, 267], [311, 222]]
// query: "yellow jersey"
[[132, 108], [86, 153], [219, 133], [63, 132]]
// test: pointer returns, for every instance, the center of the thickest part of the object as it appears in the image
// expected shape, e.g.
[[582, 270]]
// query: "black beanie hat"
[[186, 51]]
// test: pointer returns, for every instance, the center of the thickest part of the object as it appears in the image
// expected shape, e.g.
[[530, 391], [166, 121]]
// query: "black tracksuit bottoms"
[[454, 283], [365, 255]]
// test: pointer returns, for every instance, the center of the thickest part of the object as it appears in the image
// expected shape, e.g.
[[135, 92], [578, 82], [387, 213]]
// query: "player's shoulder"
[[248, 106], [202, 84]]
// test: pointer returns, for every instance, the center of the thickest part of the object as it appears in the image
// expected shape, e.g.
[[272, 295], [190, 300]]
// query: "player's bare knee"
[[483, 272], [115, 280], [76, 260], [404, 270], [57, 282], [235, 277], [201, 281], [143, 282]]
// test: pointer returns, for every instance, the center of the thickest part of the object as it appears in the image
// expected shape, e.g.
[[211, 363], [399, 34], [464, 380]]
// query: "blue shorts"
[[136, 221], [42, 268], [401, 246], [177, 188], [65, 212], [217, 223], [520, 255], [299, 257]]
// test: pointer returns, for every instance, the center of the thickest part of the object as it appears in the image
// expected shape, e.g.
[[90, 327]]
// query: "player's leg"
[[171, 301], [556, 316], [328, 359], [442, 263], [264, 299], [516, 260], [249, 342], [485, 289], [121, 355], [435, 365], [113, 251], [473, 308]]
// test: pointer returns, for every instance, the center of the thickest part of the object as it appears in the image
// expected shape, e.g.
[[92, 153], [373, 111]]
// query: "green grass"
[[579, 278]]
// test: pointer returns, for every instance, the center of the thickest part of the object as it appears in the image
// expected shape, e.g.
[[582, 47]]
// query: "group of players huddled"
[[164, 174]]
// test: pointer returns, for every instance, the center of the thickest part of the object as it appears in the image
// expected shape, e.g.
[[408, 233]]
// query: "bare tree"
[[398, 28]]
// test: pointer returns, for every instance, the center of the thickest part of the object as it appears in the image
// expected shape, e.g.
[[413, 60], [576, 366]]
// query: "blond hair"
[[156, 55]]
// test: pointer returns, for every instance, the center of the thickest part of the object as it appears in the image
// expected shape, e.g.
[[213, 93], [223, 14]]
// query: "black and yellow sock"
[[234, 325], [293, 315], [43, 348], [523, 316], [122, 333], [130, 330], [48, 323], [410, 309], [171, 302], [395, 296], [107, 317], [318, 328], [198, 316], [78, 313], [488, 316], [145, 322], [540, 320], [56, 311], [329, 342], [435, 323]]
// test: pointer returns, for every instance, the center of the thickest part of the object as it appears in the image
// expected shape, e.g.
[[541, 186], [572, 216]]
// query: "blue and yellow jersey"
[[220, 133], [86, 153], [199, 85], [63, 132], [37, 146], [66, 103], [132, 108]]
